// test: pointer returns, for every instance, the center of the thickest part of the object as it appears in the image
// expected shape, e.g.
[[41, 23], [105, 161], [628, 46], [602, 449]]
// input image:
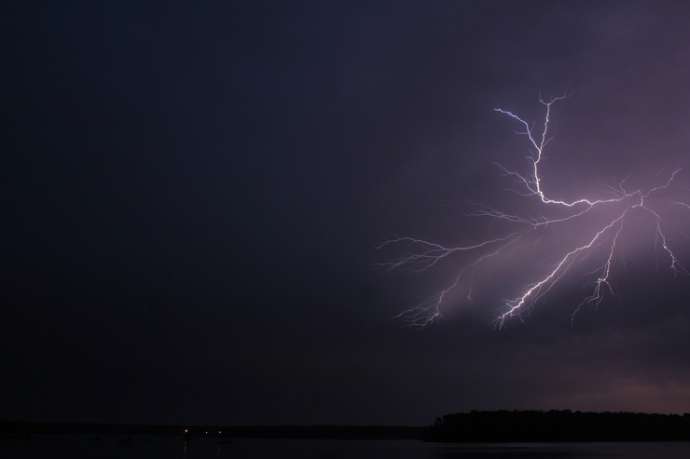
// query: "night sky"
[[193, 194]]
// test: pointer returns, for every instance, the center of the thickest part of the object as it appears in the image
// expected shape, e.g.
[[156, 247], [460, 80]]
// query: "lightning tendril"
[[425, 254]]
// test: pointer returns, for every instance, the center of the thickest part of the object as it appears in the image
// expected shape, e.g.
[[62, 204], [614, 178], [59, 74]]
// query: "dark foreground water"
[[78, 447]]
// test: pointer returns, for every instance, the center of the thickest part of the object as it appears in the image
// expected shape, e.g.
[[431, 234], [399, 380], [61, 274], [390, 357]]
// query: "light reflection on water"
[[149, 447]]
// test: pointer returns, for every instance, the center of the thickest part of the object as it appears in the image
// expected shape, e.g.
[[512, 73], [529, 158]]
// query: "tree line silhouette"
[[559, 426]]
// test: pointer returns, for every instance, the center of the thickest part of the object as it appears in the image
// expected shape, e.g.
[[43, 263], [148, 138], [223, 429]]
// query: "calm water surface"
[[78, 447]]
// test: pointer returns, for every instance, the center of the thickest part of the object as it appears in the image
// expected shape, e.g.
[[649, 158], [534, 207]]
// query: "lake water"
[[77, 447]]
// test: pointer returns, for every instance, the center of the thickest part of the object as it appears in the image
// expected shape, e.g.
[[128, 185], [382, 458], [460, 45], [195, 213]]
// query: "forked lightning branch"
[[424, 255]]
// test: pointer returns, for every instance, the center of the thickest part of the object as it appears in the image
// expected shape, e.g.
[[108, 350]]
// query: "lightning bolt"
[[426, 254]]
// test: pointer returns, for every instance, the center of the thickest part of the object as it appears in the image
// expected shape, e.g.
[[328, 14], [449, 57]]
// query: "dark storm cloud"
[[193, 195]]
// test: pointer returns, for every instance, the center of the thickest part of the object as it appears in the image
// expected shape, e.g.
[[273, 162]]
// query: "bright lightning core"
[[619, 207]]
